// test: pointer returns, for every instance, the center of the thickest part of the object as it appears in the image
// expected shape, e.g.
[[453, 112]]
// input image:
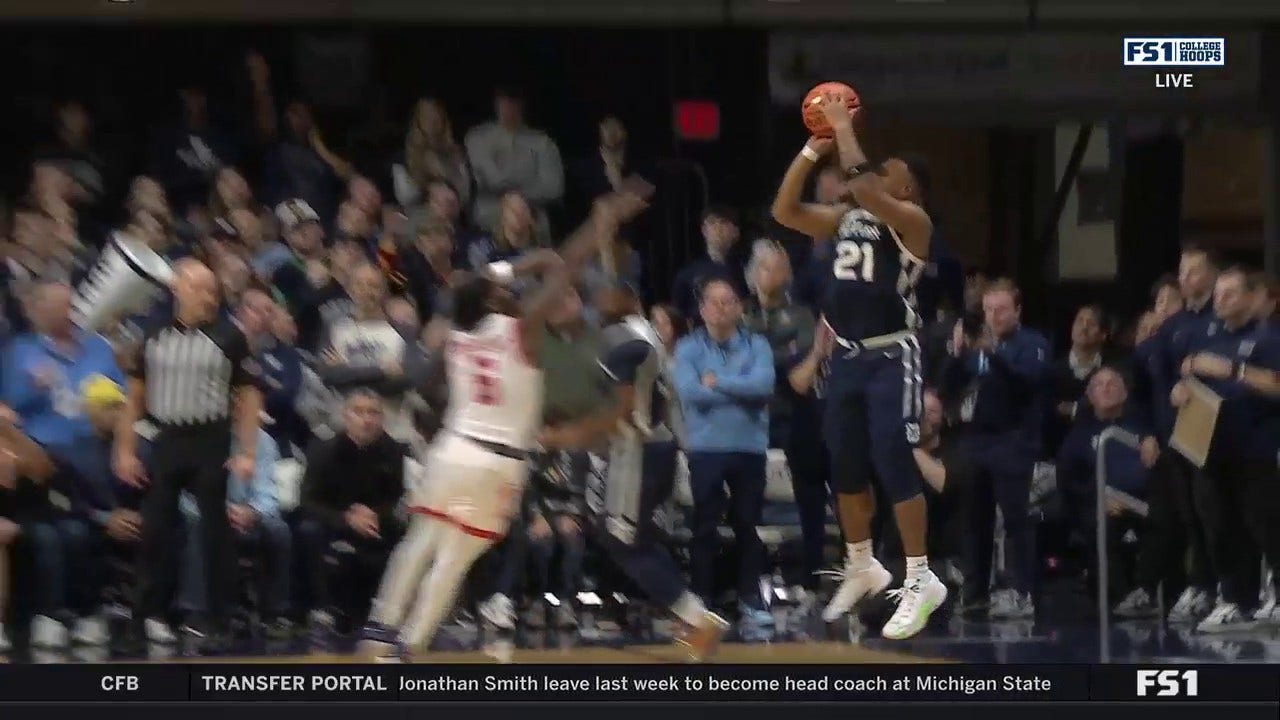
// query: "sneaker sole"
[[1227, 629], [920, 624], [96, 641], [50, 646], [831, 615]]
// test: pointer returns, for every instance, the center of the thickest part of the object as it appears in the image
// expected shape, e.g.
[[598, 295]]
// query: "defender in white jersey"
[[476, 467]]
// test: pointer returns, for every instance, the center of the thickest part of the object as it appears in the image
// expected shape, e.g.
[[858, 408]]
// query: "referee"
[[195, 380]]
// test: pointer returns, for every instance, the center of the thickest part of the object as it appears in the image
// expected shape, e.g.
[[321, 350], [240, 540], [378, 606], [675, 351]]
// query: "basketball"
[[812, 112]]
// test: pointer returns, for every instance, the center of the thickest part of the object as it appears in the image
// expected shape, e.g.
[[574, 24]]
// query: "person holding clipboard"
[[1238, 489]]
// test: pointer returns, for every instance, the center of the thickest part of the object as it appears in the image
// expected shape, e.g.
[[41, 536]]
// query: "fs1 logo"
[[1172, 52], [1169, 683]]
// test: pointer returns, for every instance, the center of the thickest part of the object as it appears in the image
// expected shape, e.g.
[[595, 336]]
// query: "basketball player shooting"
[[477, 465], [874, 392]]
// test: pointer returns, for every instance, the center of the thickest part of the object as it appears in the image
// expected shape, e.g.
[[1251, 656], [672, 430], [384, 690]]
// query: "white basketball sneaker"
[[47, 633], [855, 586], [499, 611], [916, 602]]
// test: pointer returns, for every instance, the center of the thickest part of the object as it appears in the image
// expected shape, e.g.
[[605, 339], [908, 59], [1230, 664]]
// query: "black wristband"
[[1237, 371]]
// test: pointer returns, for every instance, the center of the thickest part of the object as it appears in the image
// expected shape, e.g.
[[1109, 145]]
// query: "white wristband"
[[502, 271], [810, 154]]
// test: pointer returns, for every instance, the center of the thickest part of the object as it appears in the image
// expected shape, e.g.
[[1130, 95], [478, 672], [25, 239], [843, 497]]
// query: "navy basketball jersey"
[[872, 287]]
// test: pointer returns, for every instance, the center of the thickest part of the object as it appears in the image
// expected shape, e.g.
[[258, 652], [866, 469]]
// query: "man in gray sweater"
[[506, 154]]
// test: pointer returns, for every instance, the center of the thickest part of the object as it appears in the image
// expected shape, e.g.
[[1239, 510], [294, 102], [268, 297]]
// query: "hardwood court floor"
[[777, 653]]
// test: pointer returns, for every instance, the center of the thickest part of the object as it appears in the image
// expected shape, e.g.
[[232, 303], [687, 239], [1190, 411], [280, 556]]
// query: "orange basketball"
[[814, 120]]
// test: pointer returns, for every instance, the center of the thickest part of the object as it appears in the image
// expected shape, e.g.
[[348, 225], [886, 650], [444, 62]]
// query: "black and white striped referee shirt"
[[191, 373]]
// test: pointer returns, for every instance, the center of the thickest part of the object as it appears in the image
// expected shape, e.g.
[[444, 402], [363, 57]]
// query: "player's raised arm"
[[608, 213], [812, 219], [870, 189]]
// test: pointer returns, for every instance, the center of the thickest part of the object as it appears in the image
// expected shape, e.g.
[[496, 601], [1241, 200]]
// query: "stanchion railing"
[[1124, 437]]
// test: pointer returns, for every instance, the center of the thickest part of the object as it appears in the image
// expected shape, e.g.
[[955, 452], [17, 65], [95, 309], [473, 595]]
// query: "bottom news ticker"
[[251, 683]]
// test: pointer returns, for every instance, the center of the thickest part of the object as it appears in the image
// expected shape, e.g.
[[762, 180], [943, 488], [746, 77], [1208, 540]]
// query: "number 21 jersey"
[[871, 291], [495, 393]]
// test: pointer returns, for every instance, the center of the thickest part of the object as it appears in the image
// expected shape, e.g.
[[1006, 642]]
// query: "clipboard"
[[1197, 419], [1127, 501]]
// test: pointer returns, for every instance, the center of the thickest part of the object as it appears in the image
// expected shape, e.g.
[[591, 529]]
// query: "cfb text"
[[120, 683]]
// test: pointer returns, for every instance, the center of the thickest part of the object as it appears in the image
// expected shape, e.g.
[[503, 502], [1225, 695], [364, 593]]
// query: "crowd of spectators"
[[344, 294]]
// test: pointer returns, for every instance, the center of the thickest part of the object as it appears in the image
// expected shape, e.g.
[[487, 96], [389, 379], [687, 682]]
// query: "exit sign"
[[697, 120]]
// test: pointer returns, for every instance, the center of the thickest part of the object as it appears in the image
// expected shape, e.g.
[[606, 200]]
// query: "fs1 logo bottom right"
[[1168, 683]]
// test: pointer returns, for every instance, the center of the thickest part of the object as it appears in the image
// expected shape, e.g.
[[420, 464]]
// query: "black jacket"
[[341, 474]]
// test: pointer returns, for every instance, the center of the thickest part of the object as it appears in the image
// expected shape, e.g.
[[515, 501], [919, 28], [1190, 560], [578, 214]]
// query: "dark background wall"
[[127, 75], [991, 179]]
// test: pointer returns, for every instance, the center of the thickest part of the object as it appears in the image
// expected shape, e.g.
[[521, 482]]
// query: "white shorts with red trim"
[[470, 487]]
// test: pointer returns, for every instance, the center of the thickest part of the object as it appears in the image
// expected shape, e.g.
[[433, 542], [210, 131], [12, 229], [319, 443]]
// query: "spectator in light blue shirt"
[[254, 513], [45, 369], [725, 377]]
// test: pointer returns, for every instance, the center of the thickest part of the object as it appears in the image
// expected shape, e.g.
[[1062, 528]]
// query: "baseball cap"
[[100, 390], [292, 213]]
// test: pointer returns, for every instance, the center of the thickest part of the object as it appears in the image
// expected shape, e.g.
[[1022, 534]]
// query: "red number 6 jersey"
[[495, 393]]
